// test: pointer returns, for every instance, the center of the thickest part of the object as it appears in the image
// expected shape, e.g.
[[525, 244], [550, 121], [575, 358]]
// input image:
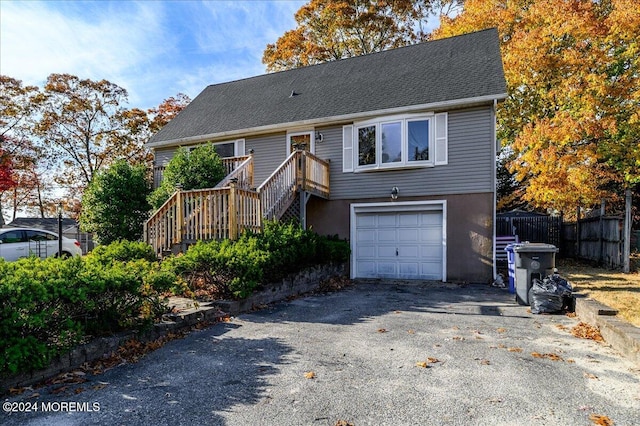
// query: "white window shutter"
[[239, 148], [441, 143], [347, 149]]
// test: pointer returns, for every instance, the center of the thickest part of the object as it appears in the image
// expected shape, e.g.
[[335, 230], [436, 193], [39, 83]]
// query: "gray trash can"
[[532, 260]]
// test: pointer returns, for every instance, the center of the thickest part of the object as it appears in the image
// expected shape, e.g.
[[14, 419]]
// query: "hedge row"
[[49, 305], [235, 269]]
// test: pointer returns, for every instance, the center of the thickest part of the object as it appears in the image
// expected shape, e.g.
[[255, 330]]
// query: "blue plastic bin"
[[511, 263]]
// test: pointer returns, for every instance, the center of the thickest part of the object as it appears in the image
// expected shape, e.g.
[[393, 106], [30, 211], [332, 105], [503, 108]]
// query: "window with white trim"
[[395, 142]]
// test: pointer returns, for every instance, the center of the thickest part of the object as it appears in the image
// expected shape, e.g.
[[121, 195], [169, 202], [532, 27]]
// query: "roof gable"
[[461, 67]]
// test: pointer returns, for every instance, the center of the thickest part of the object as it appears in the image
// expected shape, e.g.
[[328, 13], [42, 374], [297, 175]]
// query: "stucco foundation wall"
[[469, 230]]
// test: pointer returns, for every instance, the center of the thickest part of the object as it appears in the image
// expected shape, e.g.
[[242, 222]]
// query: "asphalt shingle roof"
[[461, 67]]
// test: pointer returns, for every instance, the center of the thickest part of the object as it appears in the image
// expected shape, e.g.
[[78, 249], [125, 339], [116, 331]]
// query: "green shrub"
[[228, 269], [49, 305], [39, 303], [123, 251], [114, 205], [198, 168], [235, 269], [332, 249]]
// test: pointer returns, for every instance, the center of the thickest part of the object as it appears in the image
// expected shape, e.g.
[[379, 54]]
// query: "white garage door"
[[407, 245]]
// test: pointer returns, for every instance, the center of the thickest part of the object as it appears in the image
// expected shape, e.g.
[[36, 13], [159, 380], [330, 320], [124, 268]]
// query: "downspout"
[[495, 183]]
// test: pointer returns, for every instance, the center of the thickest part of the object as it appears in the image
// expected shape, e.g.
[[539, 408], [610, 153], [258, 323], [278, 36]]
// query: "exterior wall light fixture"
[[394, 193]]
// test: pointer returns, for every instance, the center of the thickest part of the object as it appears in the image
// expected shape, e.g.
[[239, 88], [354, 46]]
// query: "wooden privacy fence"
[[597, 238], [535, 229]]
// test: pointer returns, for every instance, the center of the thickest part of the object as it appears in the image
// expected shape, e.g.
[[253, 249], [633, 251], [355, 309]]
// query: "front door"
[[305, 140]]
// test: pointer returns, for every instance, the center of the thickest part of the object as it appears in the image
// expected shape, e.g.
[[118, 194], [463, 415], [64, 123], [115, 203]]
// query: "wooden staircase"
[[234, 205]]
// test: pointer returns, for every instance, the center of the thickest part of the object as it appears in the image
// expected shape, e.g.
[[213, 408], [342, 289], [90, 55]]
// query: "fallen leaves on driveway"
[[587, 331], [551, 356], [427, 364], [382, 330], [309, 375], [333, 284], [344, 423], [597, 419]]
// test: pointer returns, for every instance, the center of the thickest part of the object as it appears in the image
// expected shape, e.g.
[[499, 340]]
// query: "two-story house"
[[395, 151]]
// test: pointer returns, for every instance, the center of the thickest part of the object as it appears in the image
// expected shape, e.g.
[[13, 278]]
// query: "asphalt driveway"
[[395, 354]]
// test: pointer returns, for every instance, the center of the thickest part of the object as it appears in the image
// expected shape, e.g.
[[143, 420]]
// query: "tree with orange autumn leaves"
[[72, 128], [570, 124], [571, 119], [335, 29]]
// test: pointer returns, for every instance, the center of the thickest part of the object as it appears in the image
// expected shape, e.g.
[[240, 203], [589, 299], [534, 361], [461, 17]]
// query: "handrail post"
[[303, 170], [233, 222], [250, 169], [177, 238]]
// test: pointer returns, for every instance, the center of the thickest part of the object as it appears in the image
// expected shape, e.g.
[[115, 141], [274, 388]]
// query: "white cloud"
[[97, 44], [244, 25], [152, 49]]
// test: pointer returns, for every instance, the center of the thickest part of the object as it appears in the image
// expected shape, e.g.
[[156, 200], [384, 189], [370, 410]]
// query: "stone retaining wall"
[[294, 285]]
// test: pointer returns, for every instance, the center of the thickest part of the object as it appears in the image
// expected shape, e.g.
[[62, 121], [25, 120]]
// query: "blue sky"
[[154, 49]]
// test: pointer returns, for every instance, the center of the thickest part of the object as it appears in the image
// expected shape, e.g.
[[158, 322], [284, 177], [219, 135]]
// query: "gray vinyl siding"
[[469, 170], [269, 151], [163, 156]]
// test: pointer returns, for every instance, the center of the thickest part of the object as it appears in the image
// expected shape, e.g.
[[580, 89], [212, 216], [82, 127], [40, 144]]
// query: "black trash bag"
[[566, 291], [549, 295], [564, 288]]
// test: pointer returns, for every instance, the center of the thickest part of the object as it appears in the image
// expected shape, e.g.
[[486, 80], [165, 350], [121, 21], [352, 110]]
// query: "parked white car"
[[22, 242]]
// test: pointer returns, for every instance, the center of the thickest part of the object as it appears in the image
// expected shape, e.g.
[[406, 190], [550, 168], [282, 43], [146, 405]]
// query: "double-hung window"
[[395, 142]]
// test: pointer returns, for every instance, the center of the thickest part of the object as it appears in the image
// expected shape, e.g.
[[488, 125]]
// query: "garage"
[[399, 240]]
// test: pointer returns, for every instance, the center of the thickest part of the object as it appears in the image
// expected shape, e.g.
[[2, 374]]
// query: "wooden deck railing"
[[278, 191], [163, 229], [228, 209], [302, 170], [315, 178], [203, 214], [239, 169]]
